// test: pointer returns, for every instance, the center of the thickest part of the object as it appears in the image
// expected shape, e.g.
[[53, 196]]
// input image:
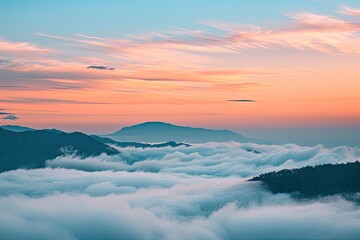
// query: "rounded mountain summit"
[[161, 132]]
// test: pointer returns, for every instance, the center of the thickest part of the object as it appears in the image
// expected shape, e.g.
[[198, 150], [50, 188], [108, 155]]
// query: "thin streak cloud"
[[350, 11], [100, 67], [48, 101], [241, 100]]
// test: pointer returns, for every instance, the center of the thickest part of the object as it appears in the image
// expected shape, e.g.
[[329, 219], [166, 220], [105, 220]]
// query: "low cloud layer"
[[212, 159], [197, 192]]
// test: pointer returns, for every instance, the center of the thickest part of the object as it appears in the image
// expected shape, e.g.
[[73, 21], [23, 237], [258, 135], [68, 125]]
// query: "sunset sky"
[[96, 66]]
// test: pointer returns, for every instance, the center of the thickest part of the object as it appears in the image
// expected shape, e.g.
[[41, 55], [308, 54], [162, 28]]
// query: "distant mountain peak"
[[163, 132], [151, 124], [16, 128], [155, 123], [165, 125]]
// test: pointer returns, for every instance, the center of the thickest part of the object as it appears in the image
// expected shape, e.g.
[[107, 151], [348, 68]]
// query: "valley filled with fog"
[[186, 192]]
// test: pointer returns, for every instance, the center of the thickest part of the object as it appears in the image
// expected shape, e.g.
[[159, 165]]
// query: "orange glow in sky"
[[304, 71]]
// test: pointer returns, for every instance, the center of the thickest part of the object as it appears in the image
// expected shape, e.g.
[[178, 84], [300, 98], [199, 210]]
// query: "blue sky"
[[185, 62], [21, 19]]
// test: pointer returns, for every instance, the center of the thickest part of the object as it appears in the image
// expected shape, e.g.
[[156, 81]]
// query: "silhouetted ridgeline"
[[30, 149], [308, 182], [154, 132], [16, 128], [138, 145]]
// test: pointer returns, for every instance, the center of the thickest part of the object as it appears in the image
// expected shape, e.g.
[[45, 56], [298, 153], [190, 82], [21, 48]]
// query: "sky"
[[96, 66]]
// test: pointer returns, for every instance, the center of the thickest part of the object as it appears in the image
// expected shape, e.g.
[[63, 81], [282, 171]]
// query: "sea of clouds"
[[197, 192]]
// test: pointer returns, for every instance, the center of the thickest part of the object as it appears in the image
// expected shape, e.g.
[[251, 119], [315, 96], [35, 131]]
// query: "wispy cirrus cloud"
[[48, 101], [350, 11], [180, 54], [307, 31], [21, 48], [321, 33], [182, 62]]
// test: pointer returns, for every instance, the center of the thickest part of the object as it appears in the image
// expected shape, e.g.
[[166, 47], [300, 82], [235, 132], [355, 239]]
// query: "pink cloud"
[[306, 31], [350, 11], [20, 48], [176, 56]]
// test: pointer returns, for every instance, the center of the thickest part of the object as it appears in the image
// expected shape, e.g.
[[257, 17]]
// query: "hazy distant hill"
[[163, 132], [138, 145], [16, 128], [30, 149], [322, 180]]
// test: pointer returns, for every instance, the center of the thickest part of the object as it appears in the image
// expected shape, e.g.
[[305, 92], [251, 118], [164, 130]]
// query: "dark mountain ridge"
[[16, 128], [30, 149], [137, 144], [317, 181]]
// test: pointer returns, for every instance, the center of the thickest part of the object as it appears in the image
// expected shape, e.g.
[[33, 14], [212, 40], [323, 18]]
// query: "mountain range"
[[137, 144], [23, 147], [30, 149], [154, 132]]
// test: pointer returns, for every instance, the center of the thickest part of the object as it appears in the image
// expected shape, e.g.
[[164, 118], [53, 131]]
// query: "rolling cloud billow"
[[187, 192]]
